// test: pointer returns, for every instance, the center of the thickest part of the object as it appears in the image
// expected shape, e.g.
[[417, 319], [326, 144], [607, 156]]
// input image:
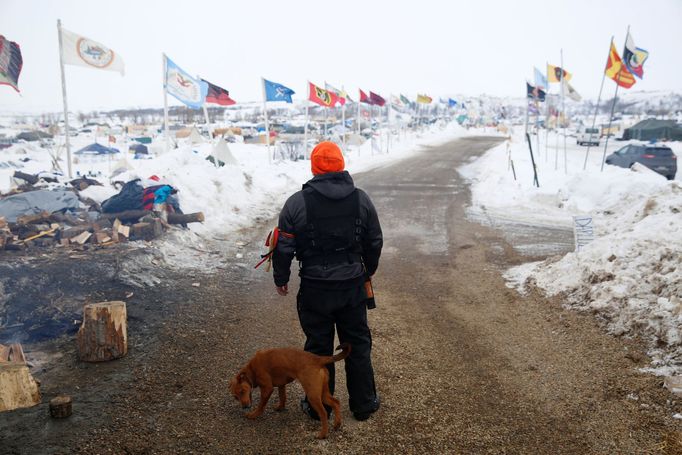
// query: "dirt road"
[[463, 364]]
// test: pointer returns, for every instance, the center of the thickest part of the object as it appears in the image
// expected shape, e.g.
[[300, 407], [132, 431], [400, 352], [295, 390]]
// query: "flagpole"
[[613, 105], [357, 127], [164, 63], [305, 128], [371, 129], [546, 113], [66, 107], [343, 118], [267, 124], [596, 109], [563, 109]]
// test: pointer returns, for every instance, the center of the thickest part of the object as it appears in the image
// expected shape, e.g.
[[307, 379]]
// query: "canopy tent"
[[654, 130]]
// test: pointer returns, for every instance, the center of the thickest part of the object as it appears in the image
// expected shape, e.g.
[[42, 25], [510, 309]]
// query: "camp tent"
[[139, 149], [97, 149], [654, 130], [221, 152]]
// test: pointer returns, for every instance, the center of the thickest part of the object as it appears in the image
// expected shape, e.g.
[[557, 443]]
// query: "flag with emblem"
[[424, 99], [320, 96], [277, 92], [187, 89], [535, 93], [218, 95], [556, 74], [81, 51], [634, 57], [616, 70], [11, 63], [341, 95]]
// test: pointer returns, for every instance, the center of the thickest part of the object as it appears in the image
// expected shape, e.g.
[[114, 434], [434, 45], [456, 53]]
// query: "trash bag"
[[129, 198]]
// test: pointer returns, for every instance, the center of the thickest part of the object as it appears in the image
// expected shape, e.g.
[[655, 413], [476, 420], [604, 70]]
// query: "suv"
[[588, 136], [658, 158]]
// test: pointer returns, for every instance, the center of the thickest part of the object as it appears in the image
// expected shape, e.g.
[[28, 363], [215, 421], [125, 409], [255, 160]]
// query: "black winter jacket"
[[292, 220]]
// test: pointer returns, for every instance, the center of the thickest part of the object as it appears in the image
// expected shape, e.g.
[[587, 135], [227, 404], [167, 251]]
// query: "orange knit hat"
[[326, 157]]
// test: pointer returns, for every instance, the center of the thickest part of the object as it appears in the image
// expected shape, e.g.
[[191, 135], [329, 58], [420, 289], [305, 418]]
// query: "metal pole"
[[165, 102], [613, 107], [305, 128], [66, 107], [563, 110], [596, 108], [267, 125], [343, 118]]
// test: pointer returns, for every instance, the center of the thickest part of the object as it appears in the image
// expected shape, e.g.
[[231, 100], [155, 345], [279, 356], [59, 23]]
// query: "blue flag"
[[451, 102], [187, 89], [277, 92], [540, 79]]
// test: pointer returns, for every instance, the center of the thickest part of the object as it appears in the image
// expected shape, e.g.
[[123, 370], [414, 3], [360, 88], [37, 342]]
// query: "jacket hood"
[[333, 185]]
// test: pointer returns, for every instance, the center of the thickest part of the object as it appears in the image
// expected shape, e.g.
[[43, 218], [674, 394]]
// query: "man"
[[333, 230]]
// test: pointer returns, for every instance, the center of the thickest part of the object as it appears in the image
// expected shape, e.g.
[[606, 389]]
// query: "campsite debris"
[[18, 389], [60, 407], [33, 179], [104, 333]]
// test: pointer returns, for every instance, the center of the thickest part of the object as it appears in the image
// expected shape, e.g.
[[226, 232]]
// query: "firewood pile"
[[87, 227]]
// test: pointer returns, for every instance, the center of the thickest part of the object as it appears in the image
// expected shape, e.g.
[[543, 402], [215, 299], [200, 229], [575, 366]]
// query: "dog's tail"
[[345, 352]]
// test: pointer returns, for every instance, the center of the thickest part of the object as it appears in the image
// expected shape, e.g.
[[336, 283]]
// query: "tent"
[[222, 153], [654, 130], [139, 149], [143, 139], [97, 149], [31, 136]]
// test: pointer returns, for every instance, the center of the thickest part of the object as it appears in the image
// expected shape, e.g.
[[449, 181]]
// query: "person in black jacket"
[[333, 229]]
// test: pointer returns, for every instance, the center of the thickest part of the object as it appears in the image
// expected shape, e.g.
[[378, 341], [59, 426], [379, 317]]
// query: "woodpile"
[[103, 335], [18, 389]]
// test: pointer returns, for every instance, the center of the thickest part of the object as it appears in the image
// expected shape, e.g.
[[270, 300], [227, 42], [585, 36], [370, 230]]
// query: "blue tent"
[[140, 149], [97, 149]]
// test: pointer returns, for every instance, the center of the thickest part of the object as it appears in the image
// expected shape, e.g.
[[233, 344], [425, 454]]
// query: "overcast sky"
[[437, 47]]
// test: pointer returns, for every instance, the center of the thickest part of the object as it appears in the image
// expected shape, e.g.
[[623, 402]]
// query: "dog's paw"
[[321, 435], [337, 425], [252, 415]]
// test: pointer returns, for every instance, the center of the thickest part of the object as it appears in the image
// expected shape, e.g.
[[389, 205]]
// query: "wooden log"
[[33, 218], [103, 335], [60, 407], [81, 238], [147, 231], [128, 215], [32, 179], [18, 389], [173, 218], [184, 218]]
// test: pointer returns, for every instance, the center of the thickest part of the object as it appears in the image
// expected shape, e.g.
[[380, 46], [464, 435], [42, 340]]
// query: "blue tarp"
[[139, 149], [97, 149]]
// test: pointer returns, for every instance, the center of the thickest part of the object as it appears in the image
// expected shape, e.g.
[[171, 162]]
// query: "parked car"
[[588, 136], [658, 158]]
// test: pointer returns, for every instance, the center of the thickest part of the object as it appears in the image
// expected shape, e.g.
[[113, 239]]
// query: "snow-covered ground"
[[629, 276]]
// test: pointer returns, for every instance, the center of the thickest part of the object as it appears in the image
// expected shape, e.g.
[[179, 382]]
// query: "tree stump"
[[103, 335], [18, 389], [60, 407]]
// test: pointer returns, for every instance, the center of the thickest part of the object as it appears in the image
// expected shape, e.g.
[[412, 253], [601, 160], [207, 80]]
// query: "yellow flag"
[[424, 99], [554, 74]]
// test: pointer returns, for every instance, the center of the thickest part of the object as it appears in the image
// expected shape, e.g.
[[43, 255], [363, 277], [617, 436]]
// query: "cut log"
[[74, 231], [103, 335], [18, 389], [81, 238], [34, 218], [128, 215], [147, 231], [60, 407], [184, 218], [32, 179]]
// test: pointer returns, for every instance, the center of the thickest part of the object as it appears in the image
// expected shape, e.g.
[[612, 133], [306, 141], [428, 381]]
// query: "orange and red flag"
[[616, 70], [321, 96]]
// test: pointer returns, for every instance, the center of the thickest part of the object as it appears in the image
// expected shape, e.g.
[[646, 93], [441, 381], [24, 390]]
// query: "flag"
[[451, 102], [571, 92], [617, 71], [533, 108], [112, 139], [340, 94], [376, 100], [634, 57], [540, 79], [364, 98], [404, 100], [81, 51], [187, 89], [423, 99], [218, 95], [277, 92], [321, 96], [10, 63], [395, 101], [535, 93], [556, 73]]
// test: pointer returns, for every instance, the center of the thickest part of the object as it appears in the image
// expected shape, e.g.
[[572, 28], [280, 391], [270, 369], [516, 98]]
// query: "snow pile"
[[629, 275]]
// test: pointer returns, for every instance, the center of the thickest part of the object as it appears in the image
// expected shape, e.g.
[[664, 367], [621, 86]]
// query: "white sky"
[[438, 47]]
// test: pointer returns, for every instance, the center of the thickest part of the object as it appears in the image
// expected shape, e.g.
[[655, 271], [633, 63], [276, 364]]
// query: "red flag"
[[376, 99], [321, 96], [218, 95], [616, 70], [364, 98]]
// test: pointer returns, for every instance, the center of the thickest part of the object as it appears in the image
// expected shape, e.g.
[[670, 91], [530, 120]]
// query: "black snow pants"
[[320, 311]]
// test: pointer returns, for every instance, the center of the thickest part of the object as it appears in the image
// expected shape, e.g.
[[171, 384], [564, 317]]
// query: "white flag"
[[571, 92], [81, 51]]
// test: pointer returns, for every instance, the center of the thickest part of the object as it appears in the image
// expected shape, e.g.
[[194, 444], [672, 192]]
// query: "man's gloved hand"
[[283, 290]]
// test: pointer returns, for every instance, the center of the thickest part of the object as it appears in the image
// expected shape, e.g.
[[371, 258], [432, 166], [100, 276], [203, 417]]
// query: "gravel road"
[[463, 364]]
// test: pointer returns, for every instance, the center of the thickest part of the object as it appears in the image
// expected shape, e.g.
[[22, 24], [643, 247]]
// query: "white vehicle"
[[588, 136]]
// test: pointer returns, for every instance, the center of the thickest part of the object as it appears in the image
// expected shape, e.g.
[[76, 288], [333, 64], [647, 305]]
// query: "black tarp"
[[654, 130]]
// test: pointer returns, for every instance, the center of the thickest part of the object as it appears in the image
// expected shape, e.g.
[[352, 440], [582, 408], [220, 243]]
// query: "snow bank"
[[629, 276]]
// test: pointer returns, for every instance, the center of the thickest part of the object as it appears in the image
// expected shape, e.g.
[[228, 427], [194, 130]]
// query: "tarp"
[[33, 202], [654, 130], [97, 149]]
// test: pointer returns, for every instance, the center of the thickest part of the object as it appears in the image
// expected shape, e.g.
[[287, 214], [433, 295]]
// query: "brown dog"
[[277, 368]]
